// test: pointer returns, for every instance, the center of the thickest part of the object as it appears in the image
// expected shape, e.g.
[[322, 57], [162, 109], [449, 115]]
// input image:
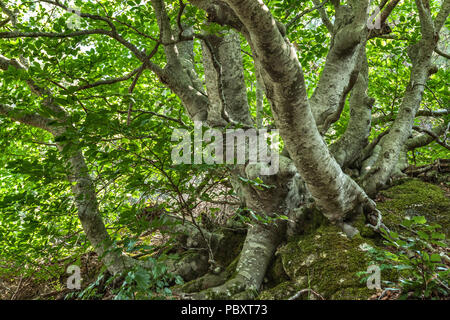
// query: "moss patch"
[[414, 197], [325, 261], [281, 292]]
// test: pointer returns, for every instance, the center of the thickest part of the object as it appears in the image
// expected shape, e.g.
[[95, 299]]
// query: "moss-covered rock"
[[324, 259], [282, 291], [327, 262], [413, 197]]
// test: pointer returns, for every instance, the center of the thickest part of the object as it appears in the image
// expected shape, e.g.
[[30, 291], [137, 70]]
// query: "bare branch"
[[388, 10], [82, 14], [18, 34], [220, 13], [11, 15], [324, 16], [141, 55], [441, 53], [424, 139], [367, 151], [426, 21], [130, 91], [136, 30], [108, 81], [31, 119], [165, 30], [420, 113], [442, 16], [41, 92], [179, 121], [317, 6], [382, 4], [433, 135], [180, 14], [355, 137], [298, 294], [433, 113], [5, 63]]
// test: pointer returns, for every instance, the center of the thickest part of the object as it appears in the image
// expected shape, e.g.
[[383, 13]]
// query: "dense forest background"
[[91, 93]]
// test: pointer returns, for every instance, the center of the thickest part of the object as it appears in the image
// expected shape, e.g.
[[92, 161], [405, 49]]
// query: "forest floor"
[[319, 265]]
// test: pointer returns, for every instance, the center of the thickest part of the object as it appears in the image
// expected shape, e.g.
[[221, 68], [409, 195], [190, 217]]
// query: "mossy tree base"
[[324, 259]]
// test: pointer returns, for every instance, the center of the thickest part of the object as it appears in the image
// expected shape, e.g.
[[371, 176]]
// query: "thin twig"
[[442, 53], [298, 294], [432, 134], [18, 288], [300, 15]]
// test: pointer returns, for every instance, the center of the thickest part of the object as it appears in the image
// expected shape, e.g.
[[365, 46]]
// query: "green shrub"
[[416, 258]]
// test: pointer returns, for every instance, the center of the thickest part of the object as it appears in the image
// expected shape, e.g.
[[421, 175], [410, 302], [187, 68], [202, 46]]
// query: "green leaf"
[[423, 235], [419, 219], [436, 235], [435, 258], [142, 278]]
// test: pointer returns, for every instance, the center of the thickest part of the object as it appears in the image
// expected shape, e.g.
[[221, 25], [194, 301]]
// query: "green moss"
[[360, 223], [230, 271], [352, 294], [282, 291], [325, 261], [414, 197]]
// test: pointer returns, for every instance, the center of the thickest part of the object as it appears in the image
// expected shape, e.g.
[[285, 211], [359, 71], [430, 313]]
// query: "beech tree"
[[345, 83]]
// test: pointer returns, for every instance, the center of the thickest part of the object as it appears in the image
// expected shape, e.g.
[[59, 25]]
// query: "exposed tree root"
[[259, 247]]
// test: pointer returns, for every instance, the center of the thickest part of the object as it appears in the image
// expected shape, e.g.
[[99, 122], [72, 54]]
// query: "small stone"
[[310, 259], [365, 247]]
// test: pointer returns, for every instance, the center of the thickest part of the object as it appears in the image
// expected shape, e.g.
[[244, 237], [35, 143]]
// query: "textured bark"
[[262, 239], [84, 193], [83, 187], [259, 247], [336, 193], [224, 74], [354, 139], [392, 144], [341, 67], [91, 220]]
